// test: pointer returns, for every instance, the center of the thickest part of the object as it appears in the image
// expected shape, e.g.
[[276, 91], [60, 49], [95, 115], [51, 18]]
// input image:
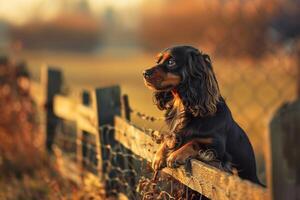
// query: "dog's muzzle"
[[148, 73]]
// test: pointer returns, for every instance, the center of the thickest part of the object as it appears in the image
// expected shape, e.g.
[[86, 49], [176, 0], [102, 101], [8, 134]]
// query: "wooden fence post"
[[125, 107], [285, 148], [52, 80], [298, 63], [282, 156], [107, 103], [85, 100], [129, 163]]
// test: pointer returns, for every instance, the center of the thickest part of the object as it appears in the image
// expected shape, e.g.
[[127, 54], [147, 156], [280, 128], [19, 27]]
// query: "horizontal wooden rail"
[[207, 180], [37, 92], [69, 109], [99, 107]]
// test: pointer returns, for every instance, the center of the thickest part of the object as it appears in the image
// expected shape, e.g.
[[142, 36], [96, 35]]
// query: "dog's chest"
[[176, 117]]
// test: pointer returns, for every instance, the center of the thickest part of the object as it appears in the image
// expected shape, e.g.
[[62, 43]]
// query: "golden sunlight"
[[22, 11]]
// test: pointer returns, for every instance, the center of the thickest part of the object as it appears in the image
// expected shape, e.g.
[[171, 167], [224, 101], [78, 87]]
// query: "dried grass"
[[26, 171]]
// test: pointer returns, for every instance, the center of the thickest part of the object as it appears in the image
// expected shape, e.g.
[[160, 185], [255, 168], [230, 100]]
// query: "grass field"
[[253, 89]]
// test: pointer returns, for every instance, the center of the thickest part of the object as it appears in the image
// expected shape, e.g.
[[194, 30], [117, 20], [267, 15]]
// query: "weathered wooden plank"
[[66, 166], [52, 82], [65, 108], [86, 125], [107, 105], [38, 93], [134, 139], [207, 180], [284, 143], [87, 112], [298, 64], [68, 109], [125, 107]]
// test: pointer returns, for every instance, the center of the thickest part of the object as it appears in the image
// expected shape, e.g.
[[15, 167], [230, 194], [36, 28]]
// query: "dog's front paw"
[[177, 158], [159, 161]]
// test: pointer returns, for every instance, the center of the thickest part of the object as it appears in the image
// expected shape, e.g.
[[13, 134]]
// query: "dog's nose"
[[147, 73]]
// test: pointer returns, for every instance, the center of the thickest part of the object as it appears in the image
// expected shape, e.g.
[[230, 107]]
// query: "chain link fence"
[[254, 91], [125, 173]]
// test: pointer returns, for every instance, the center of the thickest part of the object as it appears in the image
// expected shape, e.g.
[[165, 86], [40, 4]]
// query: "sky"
[[22, 11]]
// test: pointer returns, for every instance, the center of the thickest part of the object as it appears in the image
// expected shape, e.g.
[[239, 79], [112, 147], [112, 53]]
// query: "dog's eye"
[[171, 63]]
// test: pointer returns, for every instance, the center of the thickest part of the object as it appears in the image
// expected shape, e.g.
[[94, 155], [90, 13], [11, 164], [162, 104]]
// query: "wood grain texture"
[[207, 180], [52, 80], [106, 103], [37, 93], [68, 109], [284, 142]]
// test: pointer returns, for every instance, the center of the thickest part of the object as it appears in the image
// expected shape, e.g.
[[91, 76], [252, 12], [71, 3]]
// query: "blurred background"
[[253, 45]]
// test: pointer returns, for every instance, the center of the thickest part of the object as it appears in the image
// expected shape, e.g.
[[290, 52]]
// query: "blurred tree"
[[226, 28], [287, 25], [73, 32]]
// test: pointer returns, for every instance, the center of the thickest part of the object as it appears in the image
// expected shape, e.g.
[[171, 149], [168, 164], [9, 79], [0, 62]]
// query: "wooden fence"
[[102, 108]]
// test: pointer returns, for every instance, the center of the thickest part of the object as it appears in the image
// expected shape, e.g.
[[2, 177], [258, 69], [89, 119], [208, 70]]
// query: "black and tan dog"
[[185, 86]]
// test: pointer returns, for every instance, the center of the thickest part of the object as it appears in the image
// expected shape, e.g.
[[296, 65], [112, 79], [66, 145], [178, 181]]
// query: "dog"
[[198, 118]]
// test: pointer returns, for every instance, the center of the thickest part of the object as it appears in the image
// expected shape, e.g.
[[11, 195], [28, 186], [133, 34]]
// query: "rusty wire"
[[252, 92], [125, 172], [145, 116]]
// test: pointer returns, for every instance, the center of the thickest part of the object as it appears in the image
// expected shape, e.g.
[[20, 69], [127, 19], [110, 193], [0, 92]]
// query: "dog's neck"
[[176, 115], [177, 102]]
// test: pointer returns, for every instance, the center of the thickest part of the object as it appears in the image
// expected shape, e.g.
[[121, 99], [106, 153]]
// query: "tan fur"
[[170, 79], [177, 101], [164, 156], [189, 150]]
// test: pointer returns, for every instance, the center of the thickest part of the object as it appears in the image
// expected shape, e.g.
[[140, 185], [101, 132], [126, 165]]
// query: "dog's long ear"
[[162, 99], [199, 91]]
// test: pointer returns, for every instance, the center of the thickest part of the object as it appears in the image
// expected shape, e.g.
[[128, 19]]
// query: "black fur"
[[204, 113]]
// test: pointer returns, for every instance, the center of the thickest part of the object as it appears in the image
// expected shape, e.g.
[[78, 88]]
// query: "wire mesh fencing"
[[253, 89], [65, 138], [252, 92], [132, 174], [124, 172]]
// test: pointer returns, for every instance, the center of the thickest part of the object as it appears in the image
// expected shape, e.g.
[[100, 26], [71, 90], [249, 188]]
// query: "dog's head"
[[186, 72]]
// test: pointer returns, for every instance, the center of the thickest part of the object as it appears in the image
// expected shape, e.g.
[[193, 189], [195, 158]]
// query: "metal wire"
[[252, 92], [124, 171], [145, 116]]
